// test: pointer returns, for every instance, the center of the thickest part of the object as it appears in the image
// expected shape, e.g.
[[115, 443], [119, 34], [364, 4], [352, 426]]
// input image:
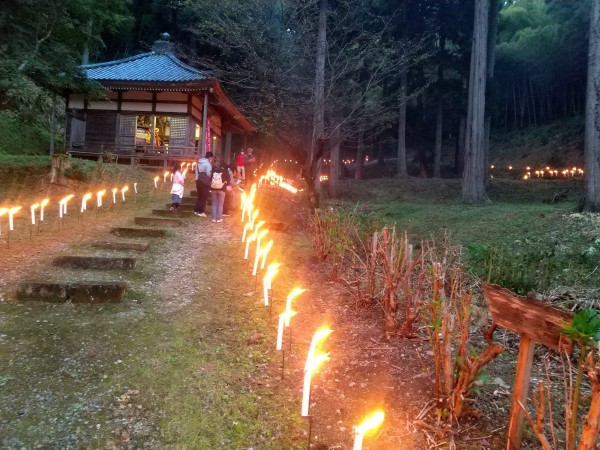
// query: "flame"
[[14, 210], [264, 252], [290, 298], [44, 202], [67, 198], [296, 292], [370, 422], [125, 189], [3, 211], [272, 270], [84, 200], [33, 208], [247, 227], [320, 335], [254, 215], [287, 315], [261, 235], [315, 362]]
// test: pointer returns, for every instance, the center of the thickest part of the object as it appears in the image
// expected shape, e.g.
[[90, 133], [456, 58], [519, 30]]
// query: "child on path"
[[240, 165], [177, 189]]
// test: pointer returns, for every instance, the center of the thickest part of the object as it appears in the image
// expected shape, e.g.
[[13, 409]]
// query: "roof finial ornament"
[[163, 45]]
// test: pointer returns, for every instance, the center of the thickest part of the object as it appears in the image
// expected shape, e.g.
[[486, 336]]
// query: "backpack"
[[217, 181]]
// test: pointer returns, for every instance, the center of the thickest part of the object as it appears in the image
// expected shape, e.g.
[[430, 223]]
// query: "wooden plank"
[[520, 392], [538, 321]]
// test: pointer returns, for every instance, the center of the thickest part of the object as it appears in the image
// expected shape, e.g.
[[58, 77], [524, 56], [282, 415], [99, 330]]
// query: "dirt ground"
[[199, 268]]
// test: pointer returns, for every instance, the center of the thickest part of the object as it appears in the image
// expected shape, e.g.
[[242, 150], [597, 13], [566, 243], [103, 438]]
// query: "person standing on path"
[[177, 189], [240, 165], [220, 184], [249, 163], [203, 179]]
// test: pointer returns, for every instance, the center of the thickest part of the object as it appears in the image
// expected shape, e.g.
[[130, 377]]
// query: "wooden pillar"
[[227, 153], [204, 125], [152, 127], [53, 125], [520, 391]]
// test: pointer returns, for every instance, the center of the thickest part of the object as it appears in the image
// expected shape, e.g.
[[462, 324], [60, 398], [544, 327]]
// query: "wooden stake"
[[520, 391]]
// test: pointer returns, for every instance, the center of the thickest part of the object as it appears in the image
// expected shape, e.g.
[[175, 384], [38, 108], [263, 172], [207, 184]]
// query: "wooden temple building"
[[156, 110]]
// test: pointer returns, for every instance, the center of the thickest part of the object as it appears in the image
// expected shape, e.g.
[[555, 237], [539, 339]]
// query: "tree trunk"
[[85, 57], [532, 103], [515, 122], [334, 165], [473, 184], [459, 161], [360, 154], [401, 150], [592, 118], [53, 125], [437, 152], [319, 111], [381, 155], [491, 86], [402, 171], [437, 155]]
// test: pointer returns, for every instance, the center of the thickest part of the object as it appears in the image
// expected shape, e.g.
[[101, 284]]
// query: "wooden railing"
[[146, 155], [131, 150]]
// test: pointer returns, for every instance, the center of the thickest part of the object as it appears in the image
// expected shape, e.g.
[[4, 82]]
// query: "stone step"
[[80, 292], [95, 262], [158, 222], [175, 213], [121, 245], [138, 232], [188, 201], [183, 207]]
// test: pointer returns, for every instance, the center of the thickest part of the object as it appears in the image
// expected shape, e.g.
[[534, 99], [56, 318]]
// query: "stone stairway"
[[100, 273]]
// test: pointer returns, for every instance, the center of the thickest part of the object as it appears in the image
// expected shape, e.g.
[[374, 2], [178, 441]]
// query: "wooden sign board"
[[540, 322], [535, 322]]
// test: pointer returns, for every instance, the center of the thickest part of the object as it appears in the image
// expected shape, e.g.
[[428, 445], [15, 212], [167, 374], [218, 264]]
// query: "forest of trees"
[[387, 75]]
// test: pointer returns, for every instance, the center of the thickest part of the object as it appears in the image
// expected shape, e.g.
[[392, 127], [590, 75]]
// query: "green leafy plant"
[[585, 332]]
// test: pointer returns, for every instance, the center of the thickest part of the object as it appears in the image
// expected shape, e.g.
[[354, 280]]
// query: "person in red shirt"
[[240, 165]]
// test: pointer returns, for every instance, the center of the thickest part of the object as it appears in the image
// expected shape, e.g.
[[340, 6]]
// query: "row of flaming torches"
[[62, 205], [271, 178], [254, 233], [547, 172]]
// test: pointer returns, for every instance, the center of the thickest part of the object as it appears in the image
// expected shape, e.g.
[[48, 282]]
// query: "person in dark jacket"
[[229, 203], [220, 184], [203, 177]]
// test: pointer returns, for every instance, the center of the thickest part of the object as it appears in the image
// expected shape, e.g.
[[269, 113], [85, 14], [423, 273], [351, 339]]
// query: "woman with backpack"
[[218, 188]]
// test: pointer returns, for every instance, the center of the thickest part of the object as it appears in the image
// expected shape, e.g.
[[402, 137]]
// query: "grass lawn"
[[133, 375], [531, 245]]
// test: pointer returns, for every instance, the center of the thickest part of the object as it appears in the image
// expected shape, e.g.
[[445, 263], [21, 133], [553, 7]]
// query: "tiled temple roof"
[[152, 66]]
